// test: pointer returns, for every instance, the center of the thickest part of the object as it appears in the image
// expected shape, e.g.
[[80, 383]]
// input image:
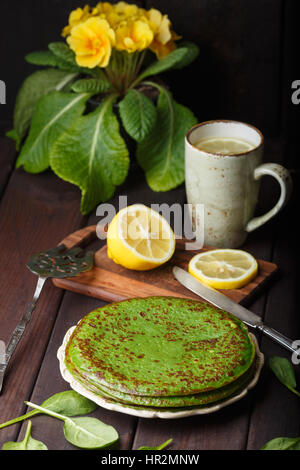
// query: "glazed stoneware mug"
[[227, 186]]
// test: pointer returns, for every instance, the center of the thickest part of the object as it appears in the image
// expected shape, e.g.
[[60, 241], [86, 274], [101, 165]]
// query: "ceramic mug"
[[228, 185]]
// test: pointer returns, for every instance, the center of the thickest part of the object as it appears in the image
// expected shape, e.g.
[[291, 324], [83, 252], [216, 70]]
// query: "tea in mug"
[[224, 145]]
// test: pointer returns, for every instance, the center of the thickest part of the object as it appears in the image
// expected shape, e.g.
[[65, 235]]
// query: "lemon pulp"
[[140, 238], [224, 268]]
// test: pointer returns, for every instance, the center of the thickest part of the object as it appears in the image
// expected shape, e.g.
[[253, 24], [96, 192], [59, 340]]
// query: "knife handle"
[[287, 343]]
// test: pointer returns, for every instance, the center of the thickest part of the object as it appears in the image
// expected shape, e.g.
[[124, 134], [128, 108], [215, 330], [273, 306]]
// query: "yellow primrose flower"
[[78, 16], [115, 14], [125, 10], [104, 7], [162, 50], [160, 25], [92, 42], [133, 35]]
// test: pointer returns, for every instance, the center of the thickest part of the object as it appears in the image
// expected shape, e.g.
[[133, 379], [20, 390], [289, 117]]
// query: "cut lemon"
[[224, 268], [140, 238], [224, 145]]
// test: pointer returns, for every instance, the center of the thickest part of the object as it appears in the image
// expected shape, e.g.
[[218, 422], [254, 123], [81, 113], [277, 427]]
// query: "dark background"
[[248, 57]]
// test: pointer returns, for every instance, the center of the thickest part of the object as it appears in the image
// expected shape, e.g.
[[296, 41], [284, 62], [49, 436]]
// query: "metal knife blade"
[[220, 300], [216, 298]]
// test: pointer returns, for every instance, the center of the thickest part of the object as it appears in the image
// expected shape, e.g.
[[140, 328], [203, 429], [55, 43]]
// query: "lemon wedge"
[[140, 238], [224, 268], [224, 146]]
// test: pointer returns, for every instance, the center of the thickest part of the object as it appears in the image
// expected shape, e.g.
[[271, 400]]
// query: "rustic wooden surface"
[[36, 212], [111, 282]]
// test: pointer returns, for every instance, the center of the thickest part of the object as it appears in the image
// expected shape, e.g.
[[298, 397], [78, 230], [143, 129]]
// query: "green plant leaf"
[[161, 153], [54, 114], [283, 443], [68, 403], [27, 444], [160, 447], [138, 114], [12, 134], [192, 52], [41, 58], [92, 155], [89, 433], [91, 85], [35, 86], [62, 50], [284, 372], [47, 58], [177, 58], [86, 432]]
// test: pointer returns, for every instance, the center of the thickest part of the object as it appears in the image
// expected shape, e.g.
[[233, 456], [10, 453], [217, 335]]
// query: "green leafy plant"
[[159, 447], [54, 125], [68, 403], [27, 444], [284, 372], [83, 432], [283, 443]]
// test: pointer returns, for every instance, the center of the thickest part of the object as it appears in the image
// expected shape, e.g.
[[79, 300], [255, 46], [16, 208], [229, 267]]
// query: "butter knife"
[[222, 301]]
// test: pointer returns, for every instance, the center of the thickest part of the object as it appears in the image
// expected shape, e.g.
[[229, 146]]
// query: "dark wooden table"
[[36, 212]]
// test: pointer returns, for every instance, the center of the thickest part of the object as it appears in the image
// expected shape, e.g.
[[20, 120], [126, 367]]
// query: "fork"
[[57, 262]]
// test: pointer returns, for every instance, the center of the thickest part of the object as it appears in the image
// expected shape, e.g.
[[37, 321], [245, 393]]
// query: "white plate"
[[144, 413]]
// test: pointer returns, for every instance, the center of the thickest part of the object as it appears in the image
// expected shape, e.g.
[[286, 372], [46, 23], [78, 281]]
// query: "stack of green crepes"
[[161, 352]]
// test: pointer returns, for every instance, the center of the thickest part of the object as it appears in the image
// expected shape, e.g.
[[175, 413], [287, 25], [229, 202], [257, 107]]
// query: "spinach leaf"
[[89, 433], [160, 447], [69, 403], [86, 433], [283, 443], [284, 372], [27, 444]]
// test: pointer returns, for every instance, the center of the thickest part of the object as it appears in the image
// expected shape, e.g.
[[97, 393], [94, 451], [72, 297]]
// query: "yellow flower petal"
[[133, 35], [162, 50], [78, 16], [160, 25], [92, 42]]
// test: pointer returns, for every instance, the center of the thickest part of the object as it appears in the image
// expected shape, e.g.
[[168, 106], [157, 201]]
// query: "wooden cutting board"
[[111, 282]]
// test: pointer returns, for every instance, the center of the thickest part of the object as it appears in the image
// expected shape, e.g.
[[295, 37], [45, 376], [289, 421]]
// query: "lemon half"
[[140, 238], [224, 268]]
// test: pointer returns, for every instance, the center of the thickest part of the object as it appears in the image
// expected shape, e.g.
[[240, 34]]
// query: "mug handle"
[[284, 179]]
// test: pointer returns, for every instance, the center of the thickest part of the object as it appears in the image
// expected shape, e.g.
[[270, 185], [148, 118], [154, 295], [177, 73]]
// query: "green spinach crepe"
[[143, 351], [200, 399]]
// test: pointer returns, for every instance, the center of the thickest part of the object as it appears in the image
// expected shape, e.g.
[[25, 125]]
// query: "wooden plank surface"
[[35, 213], [51, 208], [7, 159], [275, 406]]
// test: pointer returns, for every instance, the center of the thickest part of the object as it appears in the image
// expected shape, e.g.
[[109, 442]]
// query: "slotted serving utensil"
[[57, 262]]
